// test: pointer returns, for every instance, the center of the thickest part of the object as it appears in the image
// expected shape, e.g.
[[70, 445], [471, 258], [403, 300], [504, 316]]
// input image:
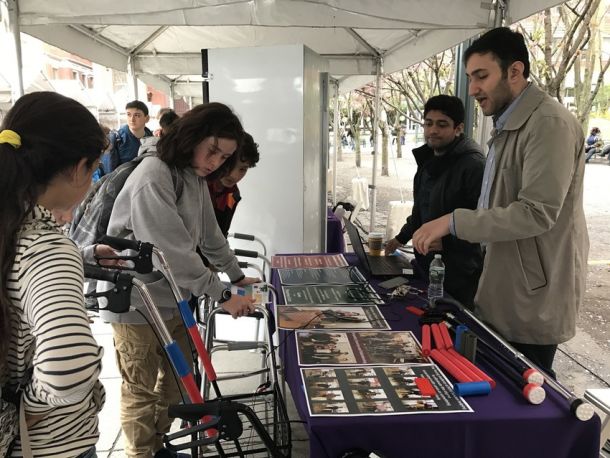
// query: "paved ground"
[[590, 346]]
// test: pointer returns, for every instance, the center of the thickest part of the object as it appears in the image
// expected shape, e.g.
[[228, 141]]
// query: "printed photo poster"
[[324, 276], [324, 348], [331, 294], [396, 390], [308, 261], [330, 317]]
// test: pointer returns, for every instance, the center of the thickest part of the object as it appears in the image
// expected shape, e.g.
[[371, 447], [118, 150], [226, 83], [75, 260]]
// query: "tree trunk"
[[584, 90], [340, 149], [356, 132], [384, 151], [401, 132]]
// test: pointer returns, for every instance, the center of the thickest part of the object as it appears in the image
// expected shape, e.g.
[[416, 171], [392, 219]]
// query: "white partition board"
[[276, 95]]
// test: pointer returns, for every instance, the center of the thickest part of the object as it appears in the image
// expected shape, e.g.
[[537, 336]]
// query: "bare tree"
[[566, 39], [419, 82], [368, 93], [356, 115], [393, 106], [341, 128]]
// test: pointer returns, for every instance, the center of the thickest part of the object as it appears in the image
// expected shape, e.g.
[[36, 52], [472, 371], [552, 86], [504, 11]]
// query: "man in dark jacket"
[[449, 174]]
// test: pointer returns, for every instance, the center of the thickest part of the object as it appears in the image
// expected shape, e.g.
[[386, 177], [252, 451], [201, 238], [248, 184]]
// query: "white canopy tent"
[[160, 41]]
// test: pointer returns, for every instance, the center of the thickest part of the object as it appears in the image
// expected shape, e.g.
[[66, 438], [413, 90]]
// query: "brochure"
[[259, 291]]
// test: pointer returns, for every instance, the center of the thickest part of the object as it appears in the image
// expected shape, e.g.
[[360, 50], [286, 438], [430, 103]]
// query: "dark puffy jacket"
[[456, 183]]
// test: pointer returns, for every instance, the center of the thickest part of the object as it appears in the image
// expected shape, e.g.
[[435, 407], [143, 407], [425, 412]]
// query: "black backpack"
[[91, 217]]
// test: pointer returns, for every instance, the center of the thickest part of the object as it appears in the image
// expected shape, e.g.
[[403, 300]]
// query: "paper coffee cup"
[[375, 243]]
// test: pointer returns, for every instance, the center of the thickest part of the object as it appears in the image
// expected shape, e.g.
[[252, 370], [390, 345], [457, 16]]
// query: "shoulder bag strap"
[[26, 448]]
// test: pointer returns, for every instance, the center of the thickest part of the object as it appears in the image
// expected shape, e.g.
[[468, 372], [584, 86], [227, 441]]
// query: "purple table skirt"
[[335, 243], [503, 423]]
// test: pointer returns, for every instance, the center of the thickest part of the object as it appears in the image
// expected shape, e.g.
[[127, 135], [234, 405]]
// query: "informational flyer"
[[258, 291], [307, 261], [330, 317], [358, 347], [331, 294], [323, 276], [397, 390]]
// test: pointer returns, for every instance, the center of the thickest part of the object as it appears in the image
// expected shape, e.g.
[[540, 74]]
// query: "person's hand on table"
[[391, 246], [431, 232], [239, 306], [248, 281]]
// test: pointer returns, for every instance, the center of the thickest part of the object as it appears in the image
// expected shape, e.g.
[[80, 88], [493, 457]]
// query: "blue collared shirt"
[[490, 163]]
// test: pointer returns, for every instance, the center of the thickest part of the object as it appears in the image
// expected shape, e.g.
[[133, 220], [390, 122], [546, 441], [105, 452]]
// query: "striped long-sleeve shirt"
[[50, 331]]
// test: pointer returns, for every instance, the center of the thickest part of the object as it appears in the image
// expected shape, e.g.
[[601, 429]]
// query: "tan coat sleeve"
[[535, 181]]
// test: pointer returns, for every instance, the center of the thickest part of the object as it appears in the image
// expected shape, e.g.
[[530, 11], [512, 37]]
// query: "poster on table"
[[324, 276], [396, 390], [324, 348], [331, 294], [330, 317], [307, 261]]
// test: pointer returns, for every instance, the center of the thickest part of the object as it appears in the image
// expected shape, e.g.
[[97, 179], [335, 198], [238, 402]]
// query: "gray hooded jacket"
[[146, 210]]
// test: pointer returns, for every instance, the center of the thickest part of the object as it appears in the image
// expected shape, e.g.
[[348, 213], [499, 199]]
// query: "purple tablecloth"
[[335, 243], [503, 425]]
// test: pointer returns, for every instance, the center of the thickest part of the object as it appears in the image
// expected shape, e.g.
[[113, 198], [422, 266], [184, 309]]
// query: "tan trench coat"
[[533, 278]]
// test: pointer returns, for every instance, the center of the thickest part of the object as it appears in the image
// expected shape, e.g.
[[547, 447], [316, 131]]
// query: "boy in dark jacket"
[[449, 174]]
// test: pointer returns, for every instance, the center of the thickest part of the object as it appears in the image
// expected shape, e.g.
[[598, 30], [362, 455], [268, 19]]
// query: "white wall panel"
[[265, 86]]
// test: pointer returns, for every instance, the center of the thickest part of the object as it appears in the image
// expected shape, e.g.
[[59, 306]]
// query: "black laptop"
[[377, 266]]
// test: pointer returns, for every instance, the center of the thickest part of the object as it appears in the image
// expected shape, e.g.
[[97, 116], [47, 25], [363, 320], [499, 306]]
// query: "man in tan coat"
[[530, 215]]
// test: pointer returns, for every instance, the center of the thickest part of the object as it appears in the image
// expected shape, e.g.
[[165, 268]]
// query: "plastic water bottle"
[[437, 276]]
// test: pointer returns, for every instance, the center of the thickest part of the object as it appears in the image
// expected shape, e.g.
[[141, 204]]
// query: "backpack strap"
[[24, 436], [16, 397]]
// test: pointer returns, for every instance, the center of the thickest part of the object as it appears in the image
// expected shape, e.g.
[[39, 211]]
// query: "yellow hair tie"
[[11, 137]]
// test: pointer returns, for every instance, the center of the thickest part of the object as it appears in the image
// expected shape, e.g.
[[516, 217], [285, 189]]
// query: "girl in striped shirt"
[[50, 146]]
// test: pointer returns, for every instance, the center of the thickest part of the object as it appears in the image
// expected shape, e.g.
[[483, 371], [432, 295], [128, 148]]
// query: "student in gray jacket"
[[148, 209]]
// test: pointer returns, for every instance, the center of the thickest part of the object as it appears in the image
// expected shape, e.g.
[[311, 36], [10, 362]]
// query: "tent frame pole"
[[336, 139], [376, 142], [13, 10], [131, 72]]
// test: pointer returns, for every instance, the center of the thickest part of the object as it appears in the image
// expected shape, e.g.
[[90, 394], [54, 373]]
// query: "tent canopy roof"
[[164, 38]]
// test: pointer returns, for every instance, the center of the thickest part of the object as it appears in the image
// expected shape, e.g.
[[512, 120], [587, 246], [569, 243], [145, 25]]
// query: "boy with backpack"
[[126, 141]]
